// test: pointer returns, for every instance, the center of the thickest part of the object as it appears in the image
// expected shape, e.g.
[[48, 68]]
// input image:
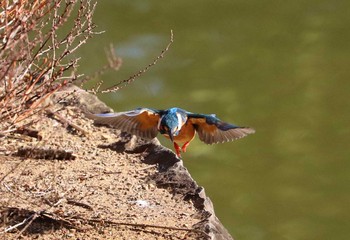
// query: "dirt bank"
[[74, 180]]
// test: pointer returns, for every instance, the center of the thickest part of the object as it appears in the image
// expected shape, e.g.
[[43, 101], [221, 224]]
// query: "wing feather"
[[141, 121], [212, 130]]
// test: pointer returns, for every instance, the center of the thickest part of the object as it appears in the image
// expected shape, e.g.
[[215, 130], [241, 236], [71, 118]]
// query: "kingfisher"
[[176, 124]]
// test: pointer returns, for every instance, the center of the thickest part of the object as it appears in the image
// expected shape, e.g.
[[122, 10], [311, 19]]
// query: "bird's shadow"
[[152, 151]]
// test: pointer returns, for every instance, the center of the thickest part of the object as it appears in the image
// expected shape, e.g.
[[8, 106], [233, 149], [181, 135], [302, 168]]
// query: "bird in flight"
[[179, 125]]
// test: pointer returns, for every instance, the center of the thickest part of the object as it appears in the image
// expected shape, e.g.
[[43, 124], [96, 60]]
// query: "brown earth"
[[72, 180]]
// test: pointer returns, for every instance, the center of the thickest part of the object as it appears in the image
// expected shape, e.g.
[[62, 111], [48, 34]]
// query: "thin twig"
[[65, 121], [18, 224], [145, 168], [31, 219], [79, 204], [132, 78], [142, 225]]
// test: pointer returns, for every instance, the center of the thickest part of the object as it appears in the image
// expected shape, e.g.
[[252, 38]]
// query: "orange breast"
[[186, 134]]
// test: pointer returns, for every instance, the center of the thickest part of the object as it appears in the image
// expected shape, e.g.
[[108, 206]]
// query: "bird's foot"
[[184, 147], [177, 149]]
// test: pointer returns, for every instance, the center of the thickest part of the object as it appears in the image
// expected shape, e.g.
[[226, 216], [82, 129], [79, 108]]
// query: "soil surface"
[[65, 178]]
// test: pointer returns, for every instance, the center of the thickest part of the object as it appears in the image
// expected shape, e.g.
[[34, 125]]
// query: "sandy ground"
[[95, 184]]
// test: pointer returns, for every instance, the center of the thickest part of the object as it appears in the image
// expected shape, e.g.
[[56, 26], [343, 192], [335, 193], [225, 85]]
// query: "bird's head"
[[171, 123]]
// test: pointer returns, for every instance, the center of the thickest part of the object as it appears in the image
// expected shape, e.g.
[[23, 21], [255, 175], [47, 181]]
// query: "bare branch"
[[132, 78]]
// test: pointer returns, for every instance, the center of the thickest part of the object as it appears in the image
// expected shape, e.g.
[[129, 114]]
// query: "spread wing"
[[212, 130], [141, 121]]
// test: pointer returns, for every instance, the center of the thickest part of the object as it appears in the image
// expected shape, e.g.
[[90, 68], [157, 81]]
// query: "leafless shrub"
[[36, 56]]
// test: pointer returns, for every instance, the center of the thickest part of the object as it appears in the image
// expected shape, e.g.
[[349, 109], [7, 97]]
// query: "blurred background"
[[281, 67]]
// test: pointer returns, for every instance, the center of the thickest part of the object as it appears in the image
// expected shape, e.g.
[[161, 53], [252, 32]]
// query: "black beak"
[[170, 135]]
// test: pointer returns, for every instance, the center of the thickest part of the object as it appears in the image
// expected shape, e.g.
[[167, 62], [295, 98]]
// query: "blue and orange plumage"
[[178, 125]]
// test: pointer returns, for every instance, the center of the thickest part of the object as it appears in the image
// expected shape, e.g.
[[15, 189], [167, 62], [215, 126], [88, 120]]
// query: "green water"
[[281, 67]]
